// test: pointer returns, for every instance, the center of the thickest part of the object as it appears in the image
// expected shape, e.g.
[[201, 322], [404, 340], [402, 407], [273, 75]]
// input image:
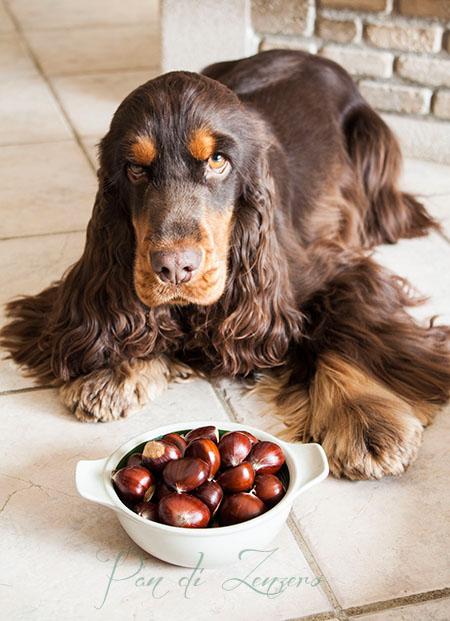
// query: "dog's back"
[[323, 124]]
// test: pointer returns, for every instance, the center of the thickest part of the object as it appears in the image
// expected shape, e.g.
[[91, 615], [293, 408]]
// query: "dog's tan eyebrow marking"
[[202, 143], [143, 150]]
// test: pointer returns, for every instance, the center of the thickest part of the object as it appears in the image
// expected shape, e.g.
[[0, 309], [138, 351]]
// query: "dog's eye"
[[135, 172], [217, 163]]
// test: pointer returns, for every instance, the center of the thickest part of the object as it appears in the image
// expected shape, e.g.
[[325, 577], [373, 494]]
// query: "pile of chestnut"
[[196, 480]]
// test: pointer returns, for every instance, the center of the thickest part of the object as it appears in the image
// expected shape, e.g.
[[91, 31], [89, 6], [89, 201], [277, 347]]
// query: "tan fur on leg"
[[109, 394], [366, 430], [290, 403]]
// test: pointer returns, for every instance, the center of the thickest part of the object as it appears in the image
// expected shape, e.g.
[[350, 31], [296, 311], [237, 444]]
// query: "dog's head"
[[184, 215], [180, 151]]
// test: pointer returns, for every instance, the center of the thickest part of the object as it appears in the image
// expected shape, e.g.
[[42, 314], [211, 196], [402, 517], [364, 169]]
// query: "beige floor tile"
[[91, 100], [37, 14], [424, 263], [370, 538], [431, 183], [51, 454], [8, 488], [248, 408], [11, 377], [43, 519], [58, 194], [91, 50], [6, 24], [437, 610], [28, 112], [29, 265], [14, 59], [60, 553], [426, 178], [383, 539]]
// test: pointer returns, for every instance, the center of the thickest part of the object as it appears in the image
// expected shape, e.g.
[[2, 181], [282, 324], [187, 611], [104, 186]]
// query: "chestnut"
[[135, 459], [157, 454], [209, 432], [266, 457], [269, 489], [237, 479], [253, 439], [234, 448], [175, 438], [240, 508], [205, 449], [132, 482], [147, 510], [185, 474], [183, 510], [211, 494]]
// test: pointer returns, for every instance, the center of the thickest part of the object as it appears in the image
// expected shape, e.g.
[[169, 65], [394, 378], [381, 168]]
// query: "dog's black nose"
[[176, 266]]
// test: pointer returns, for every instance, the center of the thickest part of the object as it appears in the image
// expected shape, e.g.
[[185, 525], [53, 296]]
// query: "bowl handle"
[[89, 481], [312, 456]]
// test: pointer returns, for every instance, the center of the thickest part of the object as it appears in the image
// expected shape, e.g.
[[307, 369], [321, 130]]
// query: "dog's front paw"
[[100, 397], [110, 394], [374, 446]]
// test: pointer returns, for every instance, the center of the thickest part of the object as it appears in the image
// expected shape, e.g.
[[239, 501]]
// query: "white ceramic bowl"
[[307, 465]]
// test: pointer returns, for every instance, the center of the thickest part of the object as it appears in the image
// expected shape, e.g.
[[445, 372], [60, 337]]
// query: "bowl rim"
[[115, 457]]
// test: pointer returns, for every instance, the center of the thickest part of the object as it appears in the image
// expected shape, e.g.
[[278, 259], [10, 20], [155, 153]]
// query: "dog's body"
[[229, 235]]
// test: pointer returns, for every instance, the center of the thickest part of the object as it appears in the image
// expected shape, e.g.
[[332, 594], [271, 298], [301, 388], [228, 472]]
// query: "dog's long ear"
[[92, 316], [97, 316], [260, 314]]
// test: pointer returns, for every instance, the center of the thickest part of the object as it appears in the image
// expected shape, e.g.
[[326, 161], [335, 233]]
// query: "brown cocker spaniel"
[[230, 236]]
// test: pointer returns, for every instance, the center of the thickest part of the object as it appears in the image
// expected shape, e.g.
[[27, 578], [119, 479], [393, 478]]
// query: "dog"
[[231, 236]]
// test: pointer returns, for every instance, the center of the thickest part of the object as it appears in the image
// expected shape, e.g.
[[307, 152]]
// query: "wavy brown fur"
[[312, 184], [376, 155]]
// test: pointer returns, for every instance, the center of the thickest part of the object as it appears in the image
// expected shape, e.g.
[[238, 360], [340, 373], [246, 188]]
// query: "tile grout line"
[[81, 74], [397, 602], [16, 391], [32, 235], [39, 142], [228, 410], [320, 616], [298, 537], [94, 26], [312, 562], [24, 40]]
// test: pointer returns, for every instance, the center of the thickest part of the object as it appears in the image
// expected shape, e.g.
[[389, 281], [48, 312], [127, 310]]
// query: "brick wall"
[[397, 50]]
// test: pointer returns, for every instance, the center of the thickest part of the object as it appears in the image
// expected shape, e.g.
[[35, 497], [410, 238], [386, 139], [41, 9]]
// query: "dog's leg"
[[366, 430], [109, 394], [373, 379]]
